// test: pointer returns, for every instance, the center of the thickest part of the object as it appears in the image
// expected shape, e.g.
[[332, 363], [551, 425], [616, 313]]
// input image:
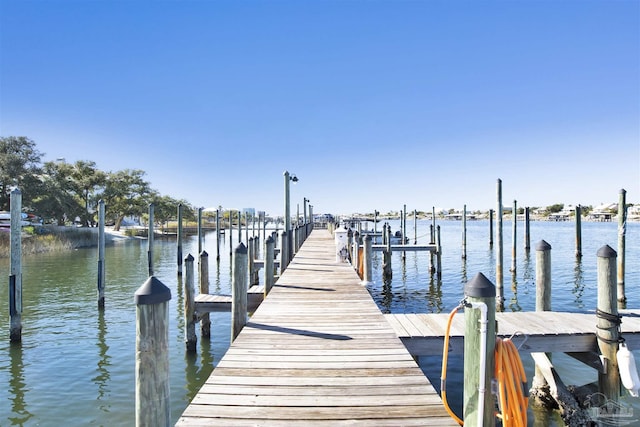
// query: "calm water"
[[75, 366]]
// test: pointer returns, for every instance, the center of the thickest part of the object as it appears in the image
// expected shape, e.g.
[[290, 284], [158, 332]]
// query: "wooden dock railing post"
[[368, 259], [608, 323], [15, 274], [150, 234], [179, 239], [239, 291], [190, 337], [479, 345], [268, 265], [622, 228], [205, 322], [152, 397], [101, 244]]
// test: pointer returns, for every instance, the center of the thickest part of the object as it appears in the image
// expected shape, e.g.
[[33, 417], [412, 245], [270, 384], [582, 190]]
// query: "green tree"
[[19, 167], [165, 209], [555, 208], [88, 179], [126, 193], [56, 199]]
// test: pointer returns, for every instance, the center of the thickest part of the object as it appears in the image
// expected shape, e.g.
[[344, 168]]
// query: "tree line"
[[61, 192]]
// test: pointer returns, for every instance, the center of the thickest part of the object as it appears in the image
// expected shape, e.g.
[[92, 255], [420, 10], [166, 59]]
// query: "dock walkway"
[[317, 351]]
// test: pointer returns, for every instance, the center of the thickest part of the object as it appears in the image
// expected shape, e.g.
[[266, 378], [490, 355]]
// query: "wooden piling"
[[179, 238], [218, 234], [152, 397], [101, 246], [622, 230], [190, 337], [350, 244], [543, 299], [355, 253], [432, 240], [499, 249], [478, 401], [284, 251], [464, 232], [268, 265], [608, 326], [415, 227], [438, 254], [230, 232], [15, 273], [239, 291], [205, 322], [387, 271], [368, 259], [527, 230], [150, 235], [199, 230], [251, 249], [514, 237], [578, 232], [490, 228]]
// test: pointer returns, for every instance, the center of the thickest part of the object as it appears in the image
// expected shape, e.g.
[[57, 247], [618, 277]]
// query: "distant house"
[[633, 213], [604, 212], [564, 215]]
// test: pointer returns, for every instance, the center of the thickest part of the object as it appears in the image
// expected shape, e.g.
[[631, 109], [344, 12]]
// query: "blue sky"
[[372, 104]]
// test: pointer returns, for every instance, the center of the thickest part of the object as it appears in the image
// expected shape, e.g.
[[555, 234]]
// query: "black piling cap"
[[241, 249], [189, 258], [542, 246], [204, 253], [480, 287], [153, 291], [607, 252]]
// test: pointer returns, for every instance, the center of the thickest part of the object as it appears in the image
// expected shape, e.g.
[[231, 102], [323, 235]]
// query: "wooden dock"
[[317, 351], [545, 331]]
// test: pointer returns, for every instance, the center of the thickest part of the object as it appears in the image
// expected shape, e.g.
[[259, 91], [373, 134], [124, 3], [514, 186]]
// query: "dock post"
[[464, 232], [479, 344], [205, 322], [387, 271], [200, 230], [543, 303], [179, 238], [608, 326], [268, 265], [367, 259], [514, 237], [355, 252], [152, 398], [527, 230], [101, 244], [350, 244], [190, 337], [499, 249], [218, 234], [251, 249], [438, 254], [432, 240], [230, 232], [284, 251], [415, 226], [622, 227], [15, 274], [578, 232], [490, 228], [150, 234], [239, 291]]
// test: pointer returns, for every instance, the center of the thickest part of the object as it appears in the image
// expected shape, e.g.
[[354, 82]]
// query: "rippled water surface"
[[75, 366]]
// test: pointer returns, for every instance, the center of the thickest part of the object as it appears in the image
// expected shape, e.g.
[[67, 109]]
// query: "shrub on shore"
[[47, 239]]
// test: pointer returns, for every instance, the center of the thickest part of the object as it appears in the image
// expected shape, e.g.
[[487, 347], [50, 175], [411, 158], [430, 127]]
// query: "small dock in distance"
[[317, 351]]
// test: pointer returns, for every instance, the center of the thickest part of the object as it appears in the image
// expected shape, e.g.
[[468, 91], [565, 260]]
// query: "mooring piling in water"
[[150, 233], [152, 397], [179, 238], [268, 265], [514, 237], [15, 274], [101, 244], [622, 231], [499, 249], [578, 232], [543, 298], [203, 265], [190, 337], [464, 232]]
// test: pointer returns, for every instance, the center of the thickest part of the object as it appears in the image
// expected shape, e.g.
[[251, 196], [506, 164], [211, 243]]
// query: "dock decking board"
[[317, 351]]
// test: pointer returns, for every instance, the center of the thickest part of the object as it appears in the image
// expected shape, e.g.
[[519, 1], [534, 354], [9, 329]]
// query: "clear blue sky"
[[372, 104]]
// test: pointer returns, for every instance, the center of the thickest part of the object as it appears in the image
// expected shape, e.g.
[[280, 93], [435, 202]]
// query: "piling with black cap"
[[152, 354], [190, 337], [479, 290], [239, 291], [608, 326]]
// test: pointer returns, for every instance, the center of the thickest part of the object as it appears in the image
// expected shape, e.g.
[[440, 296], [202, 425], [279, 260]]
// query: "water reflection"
[[434, 300], [513, 303], [17, 387], [387, 294], [104, 362], [578, 281]]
